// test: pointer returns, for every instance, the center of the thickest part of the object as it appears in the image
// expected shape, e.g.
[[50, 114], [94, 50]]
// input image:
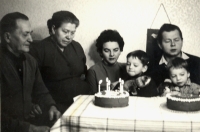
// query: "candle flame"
[[122, 82], [100, 81], [107, 79]]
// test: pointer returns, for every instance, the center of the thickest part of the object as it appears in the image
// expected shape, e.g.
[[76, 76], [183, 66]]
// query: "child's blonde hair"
[[177, 63]]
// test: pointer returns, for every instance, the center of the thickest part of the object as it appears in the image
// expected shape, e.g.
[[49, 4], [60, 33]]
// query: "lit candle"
[[120, 80], [100, 81], [121, 86], [107, 83], [107, 79]]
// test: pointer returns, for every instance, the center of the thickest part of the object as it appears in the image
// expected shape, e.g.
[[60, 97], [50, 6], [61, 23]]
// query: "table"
[[142, 114]]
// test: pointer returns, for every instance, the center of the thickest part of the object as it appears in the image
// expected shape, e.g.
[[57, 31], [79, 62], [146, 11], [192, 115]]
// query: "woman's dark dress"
[[62, 72]]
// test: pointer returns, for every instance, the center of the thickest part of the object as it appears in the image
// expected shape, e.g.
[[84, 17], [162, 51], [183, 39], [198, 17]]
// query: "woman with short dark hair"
[[61, 60], [109, 46]]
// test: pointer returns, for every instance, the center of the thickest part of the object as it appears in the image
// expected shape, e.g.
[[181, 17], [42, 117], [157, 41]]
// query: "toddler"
[[179, 82], [137, 83]]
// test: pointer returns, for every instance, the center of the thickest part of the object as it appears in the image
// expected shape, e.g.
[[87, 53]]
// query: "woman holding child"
[[137, 82], [109, 46]]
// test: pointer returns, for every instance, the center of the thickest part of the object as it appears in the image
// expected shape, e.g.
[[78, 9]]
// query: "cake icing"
[[180, 103], [112, 98]]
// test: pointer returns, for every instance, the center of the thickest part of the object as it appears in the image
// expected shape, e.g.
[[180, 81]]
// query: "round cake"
[[180, 103], [112, 99]]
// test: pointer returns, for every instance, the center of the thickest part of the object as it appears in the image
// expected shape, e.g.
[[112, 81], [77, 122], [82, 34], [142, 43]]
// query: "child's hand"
[[134, 93], [163, 86], [166, 91], [175, 93], [196, 91], [177, 89]]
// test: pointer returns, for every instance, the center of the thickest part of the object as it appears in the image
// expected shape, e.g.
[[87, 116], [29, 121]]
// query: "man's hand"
[[143, 81], [33, 128], [36, 110], [54, 113]]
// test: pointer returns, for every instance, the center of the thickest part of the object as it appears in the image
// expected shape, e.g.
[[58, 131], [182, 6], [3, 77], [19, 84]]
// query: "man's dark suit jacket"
[[17, 98]]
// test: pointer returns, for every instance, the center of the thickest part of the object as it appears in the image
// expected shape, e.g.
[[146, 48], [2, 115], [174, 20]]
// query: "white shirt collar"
[[163, 60]]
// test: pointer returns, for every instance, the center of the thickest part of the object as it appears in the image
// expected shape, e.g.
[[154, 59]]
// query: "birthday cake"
[[181, 103], [112, 98]]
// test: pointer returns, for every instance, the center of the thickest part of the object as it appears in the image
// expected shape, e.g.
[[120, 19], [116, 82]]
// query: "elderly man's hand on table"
[[36, 110], [54, 114]]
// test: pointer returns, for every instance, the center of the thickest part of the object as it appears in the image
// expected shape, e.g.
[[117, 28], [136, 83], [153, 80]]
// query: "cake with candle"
[[183, 103], [110, 98]]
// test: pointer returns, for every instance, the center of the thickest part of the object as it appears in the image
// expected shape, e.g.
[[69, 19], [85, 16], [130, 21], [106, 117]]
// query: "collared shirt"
[[188, 89], [163, 60]]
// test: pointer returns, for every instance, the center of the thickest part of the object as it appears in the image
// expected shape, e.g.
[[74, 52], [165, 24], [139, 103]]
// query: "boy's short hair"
[[141, 55], [177, 63]]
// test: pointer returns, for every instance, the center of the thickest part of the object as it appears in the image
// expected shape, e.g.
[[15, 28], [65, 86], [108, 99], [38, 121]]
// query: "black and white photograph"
[[100, 65]]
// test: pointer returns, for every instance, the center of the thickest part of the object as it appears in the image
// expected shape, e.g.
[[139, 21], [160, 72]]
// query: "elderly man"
[[170, 41], [25, 101]]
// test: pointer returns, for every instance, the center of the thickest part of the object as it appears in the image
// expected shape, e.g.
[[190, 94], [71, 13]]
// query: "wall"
[[131, 18]]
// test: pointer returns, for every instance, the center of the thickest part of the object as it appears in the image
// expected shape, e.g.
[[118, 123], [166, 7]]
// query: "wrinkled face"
[[64, 34], [19, 39], [110, 52], [179, 76], [134, 66], [171, 43]]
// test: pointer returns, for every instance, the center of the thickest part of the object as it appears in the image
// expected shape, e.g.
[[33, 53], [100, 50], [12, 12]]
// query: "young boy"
[[179, 82], [137, 83]]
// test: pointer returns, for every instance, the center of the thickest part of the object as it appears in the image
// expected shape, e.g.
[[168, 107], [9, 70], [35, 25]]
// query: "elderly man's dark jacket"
[[18, 95]]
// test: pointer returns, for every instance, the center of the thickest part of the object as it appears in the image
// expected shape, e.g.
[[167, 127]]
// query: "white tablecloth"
[[142, 114]]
